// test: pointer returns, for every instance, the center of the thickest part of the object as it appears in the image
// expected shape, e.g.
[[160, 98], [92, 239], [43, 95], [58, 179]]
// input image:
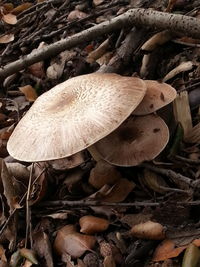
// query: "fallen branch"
[[139, 17]]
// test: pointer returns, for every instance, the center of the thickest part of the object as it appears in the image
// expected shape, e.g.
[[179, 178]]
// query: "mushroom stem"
[[94, 153]]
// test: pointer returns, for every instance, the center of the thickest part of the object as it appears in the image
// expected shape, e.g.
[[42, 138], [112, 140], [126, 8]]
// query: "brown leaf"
[[76, 14], [98, 52], [42, 247], [68, 241], [17, 10], [103, 173], [9, 18], [9, 190], [148, 230], [119, 191], [19, 171], [29, 92], [6, 38], [2, 254], [167, 249], [98, 2], [37, 69], [8, 7], [109, 261], [91, 224], [56, 68]]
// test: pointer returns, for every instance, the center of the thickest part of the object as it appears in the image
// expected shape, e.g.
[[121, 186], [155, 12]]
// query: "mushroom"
[[157, 96], [136, 140], [74, 115]]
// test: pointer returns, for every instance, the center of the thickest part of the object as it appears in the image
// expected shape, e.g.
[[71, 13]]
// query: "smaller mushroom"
[[136, 140], [157, 96]]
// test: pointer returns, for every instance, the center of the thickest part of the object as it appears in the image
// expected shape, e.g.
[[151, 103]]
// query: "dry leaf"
[[119, 191], [2, 254], [27, 263], [19, 171], [103, 173], [167, 249], [29, 92], [98, 52], [98, 2], [8, 7], [7, 38], [9, 190], [91, 224], [70, 242], [37, 69], [17, 10], [29, 255], [109, 261], [76, 14], [42, 247], [148, 230], [9, 19], [56, 68], [154, 181]]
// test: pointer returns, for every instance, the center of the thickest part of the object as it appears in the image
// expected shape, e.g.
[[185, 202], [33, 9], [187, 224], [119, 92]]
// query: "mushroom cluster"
[[108, 113]]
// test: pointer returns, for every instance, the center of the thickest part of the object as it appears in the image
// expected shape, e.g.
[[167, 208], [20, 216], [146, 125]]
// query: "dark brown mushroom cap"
[[136, 140], [157, 96], [74, 115]]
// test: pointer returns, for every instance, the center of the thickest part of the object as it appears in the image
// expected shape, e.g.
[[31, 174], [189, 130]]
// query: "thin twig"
[[28, 215]]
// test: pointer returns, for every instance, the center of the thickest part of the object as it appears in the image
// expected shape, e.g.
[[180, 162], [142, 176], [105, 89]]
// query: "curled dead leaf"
[[168, 249], [29, 255], [148, 230], [6, 38], [68, 241], [29, 92], [76, 14], [42, 247], [9, 18], [91, 224]]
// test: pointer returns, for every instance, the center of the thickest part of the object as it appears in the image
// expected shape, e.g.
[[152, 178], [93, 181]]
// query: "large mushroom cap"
[[136, 140], [74, 115], [157, 96]]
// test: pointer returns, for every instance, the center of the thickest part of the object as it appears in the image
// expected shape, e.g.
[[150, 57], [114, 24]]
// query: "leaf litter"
[[87, 212]]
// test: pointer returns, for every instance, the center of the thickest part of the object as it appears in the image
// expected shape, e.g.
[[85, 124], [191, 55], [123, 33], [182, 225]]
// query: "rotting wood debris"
[[82, 210]]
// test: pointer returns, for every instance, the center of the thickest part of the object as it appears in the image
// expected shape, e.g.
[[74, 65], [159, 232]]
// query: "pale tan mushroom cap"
[[157, 96], [136, 140], [74, 115]]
